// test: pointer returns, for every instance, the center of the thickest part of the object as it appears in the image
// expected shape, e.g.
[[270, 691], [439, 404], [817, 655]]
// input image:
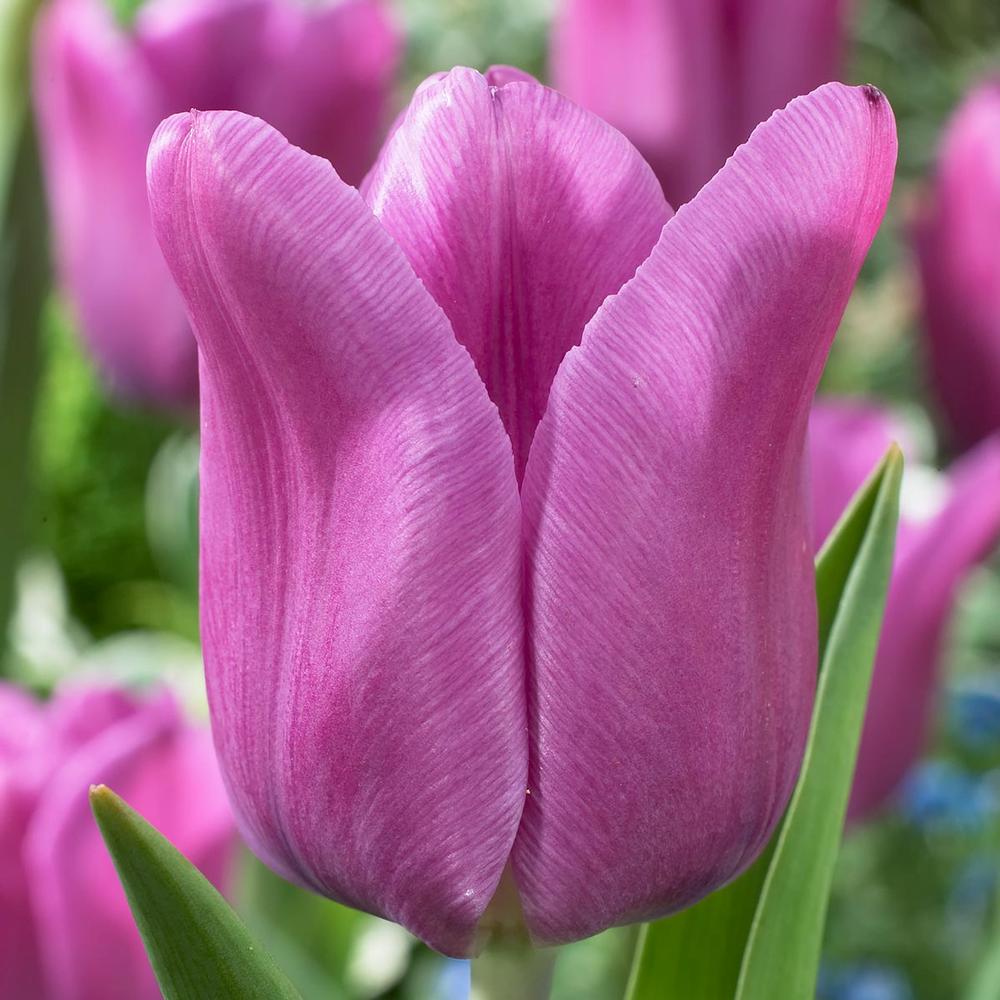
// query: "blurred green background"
[[107, 576]]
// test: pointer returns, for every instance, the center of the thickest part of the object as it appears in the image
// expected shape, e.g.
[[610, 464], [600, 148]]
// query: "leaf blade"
[[698, 954], [24, 280], [783, 948], [198, 947]]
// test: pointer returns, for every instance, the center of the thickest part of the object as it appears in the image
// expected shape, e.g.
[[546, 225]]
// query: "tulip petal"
[[657, 71], [329, 80], [688, 80], [960, 268], [785, 48], [98, 108], [21, 729], [79, 907], [670, 590], [204, 53], [361, 610], [321, 71], [22, 720], [521, 213], [931, 561]]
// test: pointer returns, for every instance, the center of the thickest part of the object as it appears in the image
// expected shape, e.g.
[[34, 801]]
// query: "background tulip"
[[688, 80], [319, 71], [956, 242], [66, 932], [398, 719], [934, 552]]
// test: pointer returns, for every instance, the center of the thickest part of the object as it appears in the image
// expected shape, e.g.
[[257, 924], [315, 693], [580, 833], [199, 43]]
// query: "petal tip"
[[500, 75], [874, 96]]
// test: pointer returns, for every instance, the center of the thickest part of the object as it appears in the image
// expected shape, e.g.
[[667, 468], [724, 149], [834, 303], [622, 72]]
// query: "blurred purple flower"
[[477, 594], [688, 80], [933, 554], [319, 71], [956, 240], [65, 929]]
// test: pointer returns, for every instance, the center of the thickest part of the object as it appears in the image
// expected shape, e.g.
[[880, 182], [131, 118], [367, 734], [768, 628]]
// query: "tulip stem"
[[510, 969]]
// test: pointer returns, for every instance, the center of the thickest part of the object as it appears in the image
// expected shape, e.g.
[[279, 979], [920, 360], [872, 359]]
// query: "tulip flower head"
[[505, 555], [66, 932], [688, 80], [936, 548], [320, 71], [956, 243]]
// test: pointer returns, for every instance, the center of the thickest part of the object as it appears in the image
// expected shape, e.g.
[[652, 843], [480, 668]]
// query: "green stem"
[[509, 969]]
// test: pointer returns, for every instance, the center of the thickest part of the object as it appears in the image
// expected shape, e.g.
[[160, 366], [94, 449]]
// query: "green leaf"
[[985, 984], [853, 571], [984, 980], [17, 19], [23, 287], [698, 953], [198, 947], [23, 283]]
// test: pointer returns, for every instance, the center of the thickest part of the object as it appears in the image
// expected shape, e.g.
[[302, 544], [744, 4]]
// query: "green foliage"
[[23, 280], [16, 19], [125, 10], [447, 33], [198, 947], [696, 954], [313, 938], [852, 578], [597, 968], [760, 936], [985, 985], [94, 455]]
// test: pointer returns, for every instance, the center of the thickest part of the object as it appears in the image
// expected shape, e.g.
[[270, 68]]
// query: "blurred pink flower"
[[688, 80], [320, 71], [65, 928], [934, 553], [956, 242], [475, 593]]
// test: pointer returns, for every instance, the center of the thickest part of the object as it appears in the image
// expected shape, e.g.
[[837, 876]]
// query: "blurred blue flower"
[[455, 980], [870, 981], [974, 711], [940, 795]]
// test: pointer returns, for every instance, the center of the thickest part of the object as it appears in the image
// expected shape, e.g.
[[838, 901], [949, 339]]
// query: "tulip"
[[65, 928], [481, 589], [935, 550], [688, 80], [956, 243], [321, 71]]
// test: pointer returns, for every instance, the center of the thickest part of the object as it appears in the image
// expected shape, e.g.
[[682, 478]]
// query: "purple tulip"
[[320, 71], [688, 80], [933, 554], [475, 595], [956, 242], [65, 928]]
